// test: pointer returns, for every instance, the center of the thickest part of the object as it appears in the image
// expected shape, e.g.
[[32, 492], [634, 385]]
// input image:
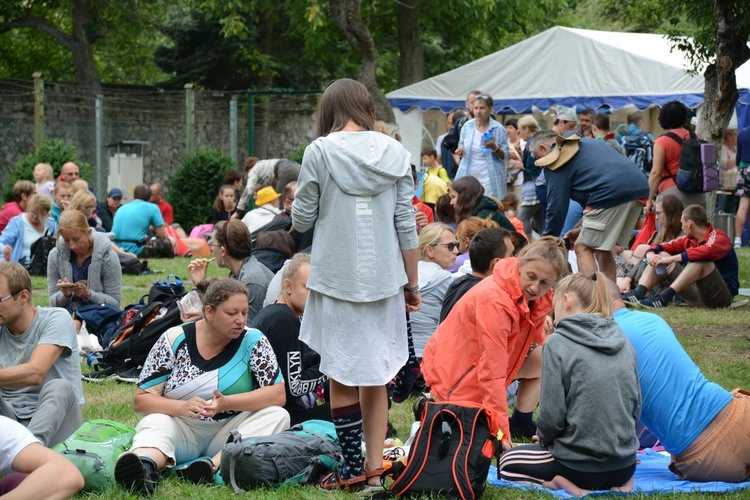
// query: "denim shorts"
[[722, 452]]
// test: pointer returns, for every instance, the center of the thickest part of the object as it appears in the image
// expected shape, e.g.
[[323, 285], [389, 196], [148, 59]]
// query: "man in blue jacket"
[[608, 186]]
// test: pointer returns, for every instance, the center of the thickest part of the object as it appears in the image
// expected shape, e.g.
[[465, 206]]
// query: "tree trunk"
[[81, 40], [411, 61], [348, 17], [720, 91]]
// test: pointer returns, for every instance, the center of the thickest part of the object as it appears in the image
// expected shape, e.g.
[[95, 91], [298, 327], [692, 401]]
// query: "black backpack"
[[130, 343], [40, 250], [451, 454], [640, 150], [693, 176]]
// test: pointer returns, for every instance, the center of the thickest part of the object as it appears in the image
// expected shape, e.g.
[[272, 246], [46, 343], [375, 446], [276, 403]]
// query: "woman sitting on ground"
[[445, 212], [24, 230], [300, 365], [438, 249], [224, 204], [465, 232], [273, 248], [467, 196], [85, 202], [590, 399], [496, 327], [193, 394], [82, 268], [232, 248]]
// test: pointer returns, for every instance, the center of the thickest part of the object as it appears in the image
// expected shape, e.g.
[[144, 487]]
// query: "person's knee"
[[60, 390]]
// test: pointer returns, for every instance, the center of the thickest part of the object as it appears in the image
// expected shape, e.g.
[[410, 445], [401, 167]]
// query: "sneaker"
[[630, 298], [654, 302], [737, 243], [130, 375], [136, 474], [198, 471], [98, 376]]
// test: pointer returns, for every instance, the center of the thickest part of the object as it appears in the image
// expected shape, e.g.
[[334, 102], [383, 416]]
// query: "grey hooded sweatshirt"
[[356, 188], [590, 400]]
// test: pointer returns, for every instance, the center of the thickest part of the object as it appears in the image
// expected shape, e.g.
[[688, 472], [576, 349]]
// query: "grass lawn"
[[719, 342]]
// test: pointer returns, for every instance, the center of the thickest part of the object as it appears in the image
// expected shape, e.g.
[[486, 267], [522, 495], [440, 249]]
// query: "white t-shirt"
[[478, 161], [30, 235], [15, 437]]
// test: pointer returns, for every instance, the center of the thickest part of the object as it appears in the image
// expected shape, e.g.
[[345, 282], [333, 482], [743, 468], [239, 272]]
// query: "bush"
[[194, 186], [53, 151]]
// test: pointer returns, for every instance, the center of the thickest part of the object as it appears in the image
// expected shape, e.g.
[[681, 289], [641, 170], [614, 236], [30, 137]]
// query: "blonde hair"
[[73, 219], [79, 185], [528, 122], [549, 249], [430, 235], [47, 169], [591, 290], [468, 228], [80, 198], [291, 271], [39, 204]]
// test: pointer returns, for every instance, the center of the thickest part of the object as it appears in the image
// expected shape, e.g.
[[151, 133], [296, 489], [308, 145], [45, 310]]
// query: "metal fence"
[[172, 122]]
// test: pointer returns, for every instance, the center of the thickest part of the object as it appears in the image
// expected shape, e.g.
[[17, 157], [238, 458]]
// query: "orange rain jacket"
[[475, 354]]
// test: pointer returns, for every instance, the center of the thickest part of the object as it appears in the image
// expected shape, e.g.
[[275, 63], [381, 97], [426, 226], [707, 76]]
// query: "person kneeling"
[[590, 399], [194, 393]]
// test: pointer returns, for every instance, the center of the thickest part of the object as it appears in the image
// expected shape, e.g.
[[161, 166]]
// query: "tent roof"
[[571, 67]]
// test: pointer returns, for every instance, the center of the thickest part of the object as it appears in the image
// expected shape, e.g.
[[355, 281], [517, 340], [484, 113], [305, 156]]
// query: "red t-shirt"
[[166, 212], [9, 210], [672, 150]]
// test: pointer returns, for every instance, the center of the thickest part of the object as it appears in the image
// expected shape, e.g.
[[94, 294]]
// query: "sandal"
[[334, 481]]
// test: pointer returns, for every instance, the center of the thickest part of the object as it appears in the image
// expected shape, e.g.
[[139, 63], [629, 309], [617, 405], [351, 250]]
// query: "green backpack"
[[94, 449]]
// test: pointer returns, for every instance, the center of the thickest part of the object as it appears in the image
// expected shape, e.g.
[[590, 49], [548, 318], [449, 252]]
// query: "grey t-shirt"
[[51, 325]]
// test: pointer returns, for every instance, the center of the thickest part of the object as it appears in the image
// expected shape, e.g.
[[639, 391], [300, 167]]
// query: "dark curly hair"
[[674, 115]]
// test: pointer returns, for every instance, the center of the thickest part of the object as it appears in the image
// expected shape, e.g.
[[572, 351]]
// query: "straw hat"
[[566, 148], [266, 195]]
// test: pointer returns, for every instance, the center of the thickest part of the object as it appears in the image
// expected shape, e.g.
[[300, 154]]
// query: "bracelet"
[[412, 289]]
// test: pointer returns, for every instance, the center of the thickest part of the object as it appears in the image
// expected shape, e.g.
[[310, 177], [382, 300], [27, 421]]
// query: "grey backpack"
[[298, 455]]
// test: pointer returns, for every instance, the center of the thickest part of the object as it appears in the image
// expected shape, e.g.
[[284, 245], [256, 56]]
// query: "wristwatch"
[[413, 289]]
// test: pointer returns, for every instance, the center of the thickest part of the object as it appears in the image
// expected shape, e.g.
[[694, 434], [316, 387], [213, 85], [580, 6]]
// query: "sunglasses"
[[450, 246]]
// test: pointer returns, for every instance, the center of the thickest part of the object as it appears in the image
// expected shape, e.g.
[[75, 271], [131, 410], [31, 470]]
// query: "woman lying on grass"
[[194, 395]]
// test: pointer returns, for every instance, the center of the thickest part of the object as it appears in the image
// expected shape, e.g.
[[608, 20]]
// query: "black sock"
[[523, 422], [640, 291], [668, 294], [348, 422]]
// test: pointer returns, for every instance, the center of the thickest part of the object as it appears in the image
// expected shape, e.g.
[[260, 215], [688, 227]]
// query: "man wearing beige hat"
[[267, 207], [608, 185]]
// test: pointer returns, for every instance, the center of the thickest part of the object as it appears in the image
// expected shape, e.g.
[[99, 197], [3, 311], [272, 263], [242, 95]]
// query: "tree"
[[411, 60]]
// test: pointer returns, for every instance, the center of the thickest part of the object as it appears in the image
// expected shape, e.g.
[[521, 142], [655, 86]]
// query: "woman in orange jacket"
[[496, 326]]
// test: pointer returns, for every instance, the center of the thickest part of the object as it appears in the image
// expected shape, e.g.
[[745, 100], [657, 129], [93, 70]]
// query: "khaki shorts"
[[603, 228], [722, 451], [710, 292]]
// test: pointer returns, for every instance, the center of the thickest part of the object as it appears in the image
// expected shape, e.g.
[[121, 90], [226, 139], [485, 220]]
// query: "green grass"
[[718, 341]]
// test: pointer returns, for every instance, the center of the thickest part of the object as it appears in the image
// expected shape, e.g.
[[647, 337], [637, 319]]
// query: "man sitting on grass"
[[700, 424], [40, 373], [706, 271]]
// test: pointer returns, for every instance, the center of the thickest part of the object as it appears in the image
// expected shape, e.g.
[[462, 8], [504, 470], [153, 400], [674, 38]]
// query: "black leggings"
[[534, 464]]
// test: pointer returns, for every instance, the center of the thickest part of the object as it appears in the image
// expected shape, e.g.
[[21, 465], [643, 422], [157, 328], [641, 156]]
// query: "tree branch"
[[41, 25]]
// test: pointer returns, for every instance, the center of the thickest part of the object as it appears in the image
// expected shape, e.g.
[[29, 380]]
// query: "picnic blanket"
[[652, 476]]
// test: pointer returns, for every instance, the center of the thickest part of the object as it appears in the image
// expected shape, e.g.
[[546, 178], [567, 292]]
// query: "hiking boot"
[[136, 474], [130, 375], [198, 471], [630, 298], [654, 302]]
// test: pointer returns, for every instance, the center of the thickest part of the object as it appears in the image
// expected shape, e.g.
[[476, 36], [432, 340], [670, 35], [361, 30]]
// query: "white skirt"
[[360, 343]]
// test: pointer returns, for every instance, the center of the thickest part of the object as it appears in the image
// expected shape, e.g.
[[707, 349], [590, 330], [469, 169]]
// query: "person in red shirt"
[[705, 271], [22, 191], [424, 213], [157, 197]]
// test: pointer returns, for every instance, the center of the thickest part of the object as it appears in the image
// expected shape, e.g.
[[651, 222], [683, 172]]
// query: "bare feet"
[[561, 483]]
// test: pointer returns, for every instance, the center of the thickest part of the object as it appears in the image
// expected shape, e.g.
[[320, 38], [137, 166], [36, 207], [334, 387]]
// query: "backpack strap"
[[675, 137], [236, 439]]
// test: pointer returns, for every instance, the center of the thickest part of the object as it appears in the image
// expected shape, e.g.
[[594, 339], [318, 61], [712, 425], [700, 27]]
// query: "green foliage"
[[53, 151], [194, 186]]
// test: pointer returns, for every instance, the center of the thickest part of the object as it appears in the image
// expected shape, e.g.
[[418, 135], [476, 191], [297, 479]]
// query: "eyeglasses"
[[450, 246], [9, 296]]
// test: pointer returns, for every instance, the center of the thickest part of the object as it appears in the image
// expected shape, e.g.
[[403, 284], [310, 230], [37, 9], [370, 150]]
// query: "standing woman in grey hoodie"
[[355, 189], [590, 399]]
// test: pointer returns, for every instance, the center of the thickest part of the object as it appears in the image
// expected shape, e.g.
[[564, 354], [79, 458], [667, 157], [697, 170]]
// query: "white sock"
[[737, 240]]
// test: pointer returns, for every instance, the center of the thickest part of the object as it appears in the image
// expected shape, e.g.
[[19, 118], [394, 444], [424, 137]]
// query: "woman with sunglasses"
[[24, 230], [590, 399], [469, 200], [232, 249], [483, 148], [496, 327], [438, 248]]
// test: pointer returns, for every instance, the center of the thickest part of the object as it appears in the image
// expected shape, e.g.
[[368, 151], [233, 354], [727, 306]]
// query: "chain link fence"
[[283, 123]]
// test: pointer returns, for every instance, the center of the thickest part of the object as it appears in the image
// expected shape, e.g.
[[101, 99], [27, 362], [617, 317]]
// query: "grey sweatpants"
[[57, 414]]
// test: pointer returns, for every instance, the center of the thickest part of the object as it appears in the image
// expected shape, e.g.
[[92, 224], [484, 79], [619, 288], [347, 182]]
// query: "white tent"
[[565, 66]]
